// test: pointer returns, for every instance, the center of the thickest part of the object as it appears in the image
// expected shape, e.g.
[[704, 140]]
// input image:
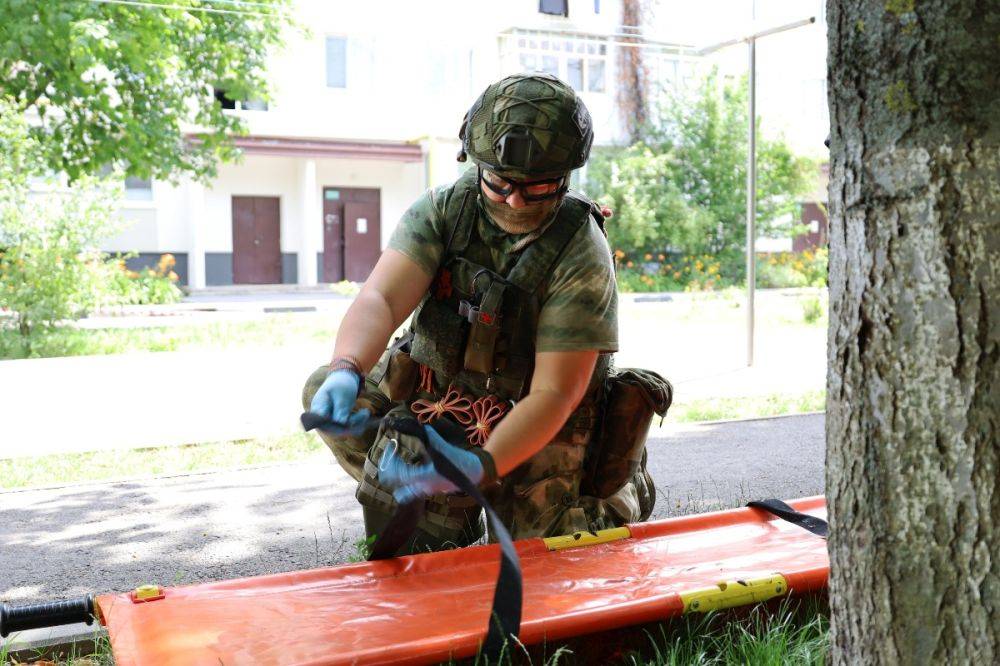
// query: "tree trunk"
[[632, 79], [913, 415]]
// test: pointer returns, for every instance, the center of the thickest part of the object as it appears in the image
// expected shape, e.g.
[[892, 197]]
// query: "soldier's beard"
[[519, 220]]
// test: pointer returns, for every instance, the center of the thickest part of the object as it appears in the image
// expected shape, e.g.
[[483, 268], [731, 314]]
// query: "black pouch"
[[631, 397]]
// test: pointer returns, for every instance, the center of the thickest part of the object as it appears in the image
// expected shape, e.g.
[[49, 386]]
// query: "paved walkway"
[[152, 399], [64, 542]]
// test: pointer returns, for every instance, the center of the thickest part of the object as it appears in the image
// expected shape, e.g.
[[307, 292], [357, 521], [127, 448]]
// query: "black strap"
[[505, 616], [817, 526]]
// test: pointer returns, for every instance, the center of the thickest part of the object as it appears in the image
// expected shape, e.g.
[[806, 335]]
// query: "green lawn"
[[776, 404], [299, 446], [271, 330]]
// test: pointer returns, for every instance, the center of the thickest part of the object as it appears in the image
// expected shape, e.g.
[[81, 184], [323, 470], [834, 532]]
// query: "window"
[[138, 189], [229, 103], [574, 73], [595, 75], [554, 7], [336, 62], [582, 63], [597, 6]]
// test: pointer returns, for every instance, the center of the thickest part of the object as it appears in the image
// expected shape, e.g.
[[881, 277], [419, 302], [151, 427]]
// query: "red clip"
[[486, 318]]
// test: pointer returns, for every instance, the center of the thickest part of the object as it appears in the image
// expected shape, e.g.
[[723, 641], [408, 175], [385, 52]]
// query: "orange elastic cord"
[[485, 413], [453, 404]]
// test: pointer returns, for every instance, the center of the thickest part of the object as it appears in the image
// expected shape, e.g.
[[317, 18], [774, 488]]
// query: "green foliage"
[[150, 286], [812, 310], [682, 191], [50, 269], [788, 269], [797, 632], [122, 85]]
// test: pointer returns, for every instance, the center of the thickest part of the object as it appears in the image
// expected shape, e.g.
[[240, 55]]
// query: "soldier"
[[516, 317]]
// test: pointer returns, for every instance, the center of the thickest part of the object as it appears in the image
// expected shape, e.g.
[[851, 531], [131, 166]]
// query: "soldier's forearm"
[[531, 424], [365, 330]]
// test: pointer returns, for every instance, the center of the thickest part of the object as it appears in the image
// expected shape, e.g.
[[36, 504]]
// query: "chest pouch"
[[484, 321]]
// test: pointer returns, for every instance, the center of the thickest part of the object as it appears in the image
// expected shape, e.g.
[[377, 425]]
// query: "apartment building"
[[363, 118]]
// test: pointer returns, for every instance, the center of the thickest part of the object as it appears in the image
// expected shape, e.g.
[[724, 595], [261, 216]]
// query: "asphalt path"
[[60, 543]]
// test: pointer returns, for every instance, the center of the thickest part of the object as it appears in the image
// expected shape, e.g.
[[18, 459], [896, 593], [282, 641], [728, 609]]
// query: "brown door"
[[256, 240], [352, 233], [333, 235]]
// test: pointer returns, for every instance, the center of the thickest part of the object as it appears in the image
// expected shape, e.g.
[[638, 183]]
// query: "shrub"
[[149, 286], [812, 310], [50, 268]]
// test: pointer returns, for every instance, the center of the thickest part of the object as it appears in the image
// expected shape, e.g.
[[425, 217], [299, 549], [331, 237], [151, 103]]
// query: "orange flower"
[[648, 257], [629, 264], [660, 257], [677, 275], [619, 254], [173, 276]]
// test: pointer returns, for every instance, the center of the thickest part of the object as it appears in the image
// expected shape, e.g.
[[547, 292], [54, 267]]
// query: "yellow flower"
[[173, 276], [660, 257], [713, 269], [799, 265], [677, 274], [772, 261], [648, 256], [698, 265], [619, 254]]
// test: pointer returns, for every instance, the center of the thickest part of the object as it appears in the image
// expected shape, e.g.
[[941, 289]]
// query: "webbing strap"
[[505, 616], [817, 526]]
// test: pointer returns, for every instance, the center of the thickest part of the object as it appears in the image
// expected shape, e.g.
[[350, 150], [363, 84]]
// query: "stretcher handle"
[[53, 614]]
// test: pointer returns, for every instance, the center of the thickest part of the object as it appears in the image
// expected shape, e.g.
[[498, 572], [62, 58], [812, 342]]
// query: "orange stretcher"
[[434, 607]]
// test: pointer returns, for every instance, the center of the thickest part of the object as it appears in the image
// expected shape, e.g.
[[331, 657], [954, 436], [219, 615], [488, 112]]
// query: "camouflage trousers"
[[540, 498]]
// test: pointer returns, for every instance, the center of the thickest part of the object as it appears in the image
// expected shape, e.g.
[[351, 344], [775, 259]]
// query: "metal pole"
[[751, 197]]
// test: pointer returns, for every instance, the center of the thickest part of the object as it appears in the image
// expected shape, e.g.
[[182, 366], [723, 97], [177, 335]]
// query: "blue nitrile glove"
[[411, 482], [336, 397]]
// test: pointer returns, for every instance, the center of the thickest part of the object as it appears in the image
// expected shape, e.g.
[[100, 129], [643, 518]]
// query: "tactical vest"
[[476, 327]]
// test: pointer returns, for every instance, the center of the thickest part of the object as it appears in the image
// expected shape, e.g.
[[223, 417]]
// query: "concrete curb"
[[70, 640]]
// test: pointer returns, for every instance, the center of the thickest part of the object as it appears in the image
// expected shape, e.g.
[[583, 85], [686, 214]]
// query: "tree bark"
[[632, 79], [913, 414]]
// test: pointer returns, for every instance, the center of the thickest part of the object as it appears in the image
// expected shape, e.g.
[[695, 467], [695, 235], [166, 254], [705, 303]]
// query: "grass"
[[164, 461], [775, 404], [797, 632], [792, 631], [270, 330], [65, 468]]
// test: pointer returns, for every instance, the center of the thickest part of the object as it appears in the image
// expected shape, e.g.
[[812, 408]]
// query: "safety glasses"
[[535, 190]]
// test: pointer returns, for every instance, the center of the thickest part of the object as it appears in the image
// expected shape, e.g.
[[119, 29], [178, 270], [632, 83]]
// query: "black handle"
[[35, 616]]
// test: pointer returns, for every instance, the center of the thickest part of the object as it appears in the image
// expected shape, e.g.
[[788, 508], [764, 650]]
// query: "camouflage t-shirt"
[[580, 310]]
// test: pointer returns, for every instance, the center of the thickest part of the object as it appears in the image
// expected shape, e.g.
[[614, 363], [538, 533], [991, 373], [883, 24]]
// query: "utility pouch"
[[399, 381], [631, 397], [484, 323], [439, 335]]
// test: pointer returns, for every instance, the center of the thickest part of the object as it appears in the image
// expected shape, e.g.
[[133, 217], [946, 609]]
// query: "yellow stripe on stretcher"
[[727, 594], [579, 539]]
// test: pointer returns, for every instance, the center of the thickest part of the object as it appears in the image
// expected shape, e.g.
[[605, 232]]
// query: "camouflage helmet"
[[527, 126]]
